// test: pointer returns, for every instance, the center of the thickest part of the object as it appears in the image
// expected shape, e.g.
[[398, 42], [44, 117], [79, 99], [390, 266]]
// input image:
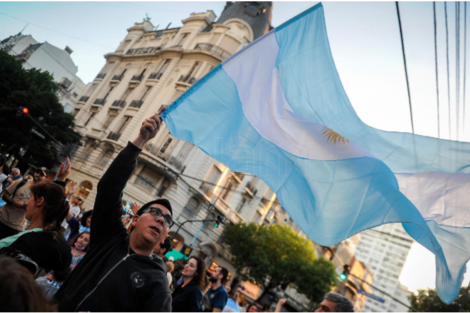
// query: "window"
[[191, 207], [229, 44], [87, 151], [163, 68], [75, 112], [74, 95], [256, 218], [145, 93], [110, 119], [211, 179], [89, 118], [105, 156], [147, 179], [182, 39], [124, 124], [163, 188], [126, 93]]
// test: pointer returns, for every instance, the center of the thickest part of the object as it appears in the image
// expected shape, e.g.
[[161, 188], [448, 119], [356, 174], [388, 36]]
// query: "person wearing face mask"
[[79, 247], [187, 296]]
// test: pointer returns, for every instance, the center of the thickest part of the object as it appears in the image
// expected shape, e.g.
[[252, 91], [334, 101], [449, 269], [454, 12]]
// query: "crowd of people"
[[56, 257]]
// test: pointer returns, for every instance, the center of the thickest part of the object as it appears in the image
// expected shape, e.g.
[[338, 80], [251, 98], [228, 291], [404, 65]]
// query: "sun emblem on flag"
[[333, 136]]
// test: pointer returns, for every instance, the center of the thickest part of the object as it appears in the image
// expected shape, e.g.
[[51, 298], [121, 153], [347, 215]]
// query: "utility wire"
[[437, 72], [406, 69], [447, 54]]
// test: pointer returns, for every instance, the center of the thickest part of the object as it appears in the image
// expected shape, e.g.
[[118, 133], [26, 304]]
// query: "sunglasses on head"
[[157, 213], [40, 173]]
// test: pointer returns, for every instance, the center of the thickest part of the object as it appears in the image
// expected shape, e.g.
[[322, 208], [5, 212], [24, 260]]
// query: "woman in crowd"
[[253, 308], [187, 296], [43, 241], [232, 302], [170, 267], [79, 247]]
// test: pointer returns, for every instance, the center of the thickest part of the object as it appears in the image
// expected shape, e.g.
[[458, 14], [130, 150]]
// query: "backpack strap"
[[23, 182]]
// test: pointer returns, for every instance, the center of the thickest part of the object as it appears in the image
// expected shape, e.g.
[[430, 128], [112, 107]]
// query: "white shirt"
[[75, 210]]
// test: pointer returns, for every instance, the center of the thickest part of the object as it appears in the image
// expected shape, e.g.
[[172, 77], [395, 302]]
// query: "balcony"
[[117, 77], [136, 104], [100, 101], [100, 75], [155, 76], [83, 99], [251, 189], [143, 50], [113, 136], [119, 103], [187, 79], [137, 77], [207, 189], [221, 53]]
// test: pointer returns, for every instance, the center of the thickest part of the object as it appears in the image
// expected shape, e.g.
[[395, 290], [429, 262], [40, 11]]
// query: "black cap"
[[43, 170], [163, 202]]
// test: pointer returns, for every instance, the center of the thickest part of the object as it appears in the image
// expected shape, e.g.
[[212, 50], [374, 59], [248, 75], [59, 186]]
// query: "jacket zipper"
[[102, 279]]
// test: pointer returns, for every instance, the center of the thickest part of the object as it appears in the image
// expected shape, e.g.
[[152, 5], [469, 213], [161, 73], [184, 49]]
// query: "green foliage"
[[276, 255], [428, 301], [37, 91]]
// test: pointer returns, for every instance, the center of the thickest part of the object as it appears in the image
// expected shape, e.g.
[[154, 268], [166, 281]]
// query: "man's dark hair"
[[342, 304], [164, 202], [61, 276], [224, 273], [166, 244]]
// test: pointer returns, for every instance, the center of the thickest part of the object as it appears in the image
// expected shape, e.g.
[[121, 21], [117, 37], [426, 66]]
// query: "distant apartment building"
[[47, 57], [384, 250]]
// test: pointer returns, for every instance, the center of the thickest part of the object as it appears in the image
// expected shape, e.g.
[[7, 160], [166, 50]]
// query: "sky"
[[364, 39]]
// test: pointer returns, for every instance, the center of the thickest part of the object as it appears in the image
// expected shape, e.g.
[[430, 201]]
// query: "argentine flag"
[[277, 109]]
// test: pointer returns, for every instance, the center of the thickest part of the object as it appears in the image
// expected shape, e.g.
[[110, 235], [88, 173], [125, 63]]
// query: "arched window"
[[87, 150], [191, 207], [85, 188]]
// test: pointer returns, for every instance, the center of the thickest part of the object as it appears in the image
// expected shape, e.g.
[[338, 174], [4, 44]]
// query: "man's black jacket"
[[112, 277]]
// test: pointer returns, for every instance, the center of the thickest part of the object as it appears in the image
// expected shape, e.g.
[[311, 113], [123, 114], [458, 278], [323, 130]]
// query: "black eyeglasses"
[[157, 213]]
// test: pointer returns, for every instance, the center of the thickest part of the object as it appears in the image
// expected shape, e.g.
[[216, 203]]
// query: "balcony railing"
[[118, 77], [114, 136], [100, 101], [187, 79], [119, 103], [213, 49], [138, 77], [143, 50], [136, 104], [101, 75], [155, 75], [83, 99]]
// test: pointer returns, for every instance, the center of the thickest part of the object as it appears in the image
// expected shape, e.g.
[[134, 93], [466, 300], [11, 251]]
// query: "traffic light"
[[22, 110], [344, 275], [220, 220]]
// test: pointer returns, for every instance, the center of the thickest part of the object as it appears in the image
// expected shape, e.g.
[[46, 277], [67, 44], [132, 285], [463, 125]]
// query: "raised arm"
[[107, 211]]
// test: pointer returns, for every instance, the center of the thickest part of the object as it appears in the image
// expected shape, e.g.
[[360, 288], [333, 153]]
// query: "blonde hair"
[[170, 266]]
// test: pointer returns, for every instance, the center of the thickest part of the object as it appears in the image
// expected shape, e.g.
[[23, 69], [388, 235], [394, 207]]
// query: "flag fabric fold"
[[277, 109]]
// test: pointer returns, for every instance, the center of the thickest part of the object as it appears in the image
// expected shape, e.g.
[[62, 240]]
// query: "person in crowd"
[[12, 215], [15, 176], [217, 295], [163, 248], [232, 302], [43, 241], [75, 209], [178, 269], [52, 281], [79, 247], [18, 290], [170, 267], [76, 226], [242, 303], [253, 308], [187, 296], [279, 305], [334, 302], [118, 273], [4, 173]]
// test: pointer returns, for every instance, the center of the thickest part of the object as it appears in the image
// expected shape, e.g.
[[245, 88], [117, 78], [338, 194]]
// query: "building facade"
[[151, 68], [384, 250], [47, 57]]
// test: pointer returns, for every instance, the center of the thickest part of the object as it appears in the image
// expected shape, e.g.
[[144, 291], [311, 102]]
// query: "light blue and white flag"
[[277, 109]]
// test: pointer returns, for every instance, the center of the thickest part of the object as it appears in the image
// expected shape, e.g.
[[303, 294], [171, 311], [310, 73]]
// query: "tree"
[[276, 256], [37, 91], [428, 301]]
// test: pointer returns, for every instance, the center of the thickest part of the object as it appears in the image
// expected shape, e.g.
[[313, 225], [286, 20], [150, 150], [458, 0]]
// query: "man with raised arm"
[[118, 273]]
